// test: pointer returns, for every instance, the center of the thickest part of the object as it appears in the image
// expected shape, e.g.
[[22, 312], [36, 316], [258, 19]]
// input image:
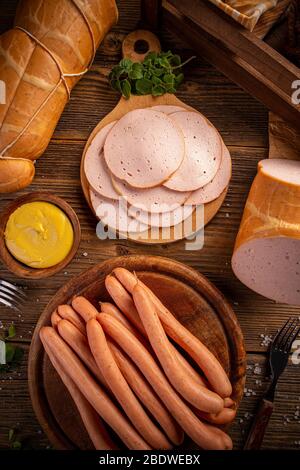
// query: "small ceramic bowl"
[[17, 267]]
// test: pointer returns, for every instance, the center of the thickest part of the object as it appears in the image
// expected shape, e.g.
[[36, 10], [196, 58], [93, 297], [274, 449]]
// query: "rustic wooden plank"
[[240, 119], [283, 430], [243, 124], [243, 57]]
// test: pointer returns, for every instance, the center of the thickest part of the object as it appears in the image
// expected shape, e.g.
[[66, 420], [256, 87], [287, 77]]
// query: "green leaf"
[[176, 60], [16, 445], [126, 88], [10, 352], [179, 79], [158, 90], [169, 78], [126, 64], [136, 71], [11, 331], [11, 434], [156, 80], [143, 86]]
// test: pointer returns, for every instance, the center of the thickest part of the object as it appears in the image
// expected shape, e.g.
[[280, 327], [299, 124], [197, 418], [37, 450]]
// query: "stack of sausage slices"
[[163, 161], [130, 383]]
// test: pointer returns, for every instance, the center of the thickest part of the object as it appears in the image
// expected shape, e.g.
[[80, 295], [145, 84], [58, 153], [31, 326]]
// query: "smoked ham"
[[50, 47], [266, 255]]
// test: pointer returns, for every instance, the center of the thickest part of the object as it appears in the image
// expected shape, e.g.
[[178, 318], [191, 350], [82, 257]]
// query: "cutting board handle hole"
[[141, 46]]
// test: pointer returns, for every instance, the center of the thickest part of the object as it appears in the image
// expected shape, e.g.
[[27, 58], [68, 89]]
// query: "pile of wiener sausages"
[[126, 376], [163, 161]]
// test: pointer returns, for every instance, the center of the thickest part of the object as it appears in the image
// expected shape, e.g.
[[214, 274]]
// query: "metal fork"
[[278, 359], [12, 296]]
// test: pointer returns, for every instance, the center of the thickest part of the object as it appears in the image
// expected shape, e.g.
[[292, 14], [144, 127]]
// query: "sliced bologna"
[[95, 167], [168, 108], [266, 255], [212, 190], [158, 199], [114, 214], [165, 219], [203, 152], [144, 148]]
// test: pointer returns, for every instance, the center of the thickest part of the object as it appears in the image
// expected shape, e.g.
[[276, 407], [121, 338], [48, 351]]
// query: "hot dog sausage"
[[55, 318], [121, 389], [146, 394], [78, 342], [85, 309], [202, 398], [204, 435], [184, 338], [91, 420], [68, 313], [91, 390]]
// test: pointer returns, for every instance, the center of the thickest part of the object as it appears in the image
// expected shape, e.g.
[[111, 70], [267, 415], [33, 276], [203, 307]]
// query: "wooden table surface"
[[243, 123]]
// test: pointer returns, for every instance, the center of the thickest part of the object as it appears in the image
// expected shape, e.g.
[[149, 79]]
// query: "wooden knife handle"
[[259, 425]]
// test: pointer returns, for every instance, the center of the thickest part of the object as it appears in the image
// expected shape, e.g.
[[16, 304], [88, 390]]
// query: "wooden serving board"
[[165, 235], [190, 296]]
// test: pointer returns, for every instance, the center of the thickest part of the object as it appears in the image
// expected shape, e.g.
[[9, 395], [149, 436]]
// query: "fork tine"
[[11, 286], [12, 293], [291, 325], [292, 336], [9, 304], [8, 297], [279, 333]]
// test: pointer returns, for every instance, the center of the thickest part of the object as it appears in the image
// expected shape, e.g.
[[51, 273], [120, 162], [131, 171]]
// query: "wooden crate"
[[240, 54]]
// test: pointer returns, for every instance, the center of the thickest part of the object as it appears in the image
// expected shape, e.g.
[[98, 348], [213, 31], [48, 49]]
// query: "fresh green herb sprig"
[[14, 442], [13, 354], [159, 73]]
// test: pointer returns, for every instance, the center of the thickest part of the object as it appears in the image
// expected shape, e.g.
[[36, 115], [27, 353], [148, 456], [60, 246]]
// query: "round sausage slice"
[[114, 214], [212, 190], [203, 152], [165, 219], [155, 200], [95, 167], [144, 148]]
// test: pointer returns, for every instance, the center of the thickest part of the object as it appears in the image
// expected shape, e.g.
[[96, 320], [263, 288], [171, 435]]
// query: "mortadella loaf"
[[266, 255], [50, 47]]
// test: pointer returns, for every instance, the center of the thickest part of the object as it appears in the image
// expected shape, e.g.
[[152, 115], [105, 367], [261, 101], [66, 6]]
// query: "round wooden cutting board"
[[191, 225], [191, 298]]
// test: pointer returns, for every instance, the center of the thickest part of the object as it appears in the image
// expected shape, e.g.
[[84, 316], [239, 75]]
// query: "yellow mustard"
[[39, 234]]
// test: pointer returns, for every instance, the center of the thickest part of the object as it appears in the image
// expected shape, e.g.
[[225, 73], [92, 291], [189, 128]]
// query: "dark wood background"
[[243, 123]]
